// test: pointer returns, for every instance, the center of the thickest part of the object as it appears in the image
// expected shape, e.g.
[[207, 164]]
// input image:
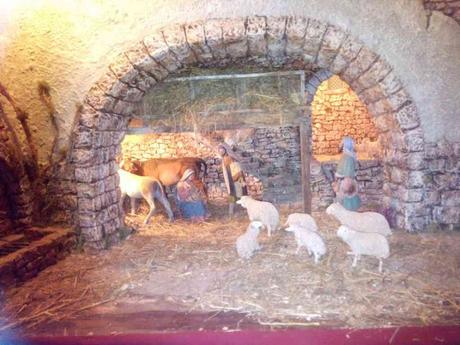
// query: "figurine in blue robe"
[[346, 185]]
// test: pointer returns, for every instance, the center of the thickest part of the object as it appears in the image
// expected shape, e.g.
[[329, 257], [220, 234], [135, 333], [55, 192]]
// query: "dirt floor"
[[185, 276]]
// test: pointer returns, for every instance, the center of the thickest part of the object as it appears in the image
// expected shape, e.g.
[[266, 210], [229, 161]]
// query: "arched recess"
[[285, 42]]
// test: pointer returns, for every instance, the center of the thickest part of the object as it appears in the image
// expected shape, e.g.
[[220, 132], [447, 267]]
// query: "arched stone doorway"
[[284, 42]]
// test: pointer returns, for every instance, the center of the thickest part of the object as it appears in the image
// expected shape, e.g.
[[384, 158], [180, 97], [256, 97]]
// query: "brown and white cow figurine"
[[166, 170]]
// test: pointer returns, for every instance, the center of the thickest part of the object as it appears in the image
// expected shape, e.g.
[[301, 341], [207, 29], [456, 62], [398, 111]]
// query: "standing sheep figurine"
[[365, 243], [302, 219], [309, 239], [262, 211], [247, 243], [360, 221]]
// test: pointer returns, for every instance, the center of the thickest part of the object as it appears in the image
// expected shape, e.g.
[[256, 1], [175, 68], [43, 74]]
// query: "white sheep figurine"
[[302, 219], [360, 221], [137, 187], [309, 239], [247, 243], [262, 211], [365, 243]]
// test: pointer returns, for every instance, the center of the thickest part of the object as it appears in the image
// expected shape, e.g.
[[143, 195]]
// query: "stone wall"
[[450, 8], [337, 112], [44, 247], [442, 183]]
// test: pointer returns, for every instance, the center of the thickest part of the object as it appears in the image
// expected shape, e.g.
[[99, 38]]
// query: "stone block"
[[349, 50], [371, 95], [83, 139], [296, 28], [451, 198], [159, 51], [255, 31], [384, 122], [433, 197], [357, 67], [446, 215], [411, 210], [92, 234], [332, 40], [313, 38], [83, 156], [88, 219], [380, 107], [407, 117], [398, 176], [416, 161], [213, 33], [399, 99], [110, 84], [175, 39], [197, 41], [275, 37], [123, 108], [437, 165], [91, 174], [123, 69], [89, 205], [152, 68], [415, 179], [446, 181], [417, 223], [391, 84], [413, 140], [411, 195], [378, 71], [234, 37]]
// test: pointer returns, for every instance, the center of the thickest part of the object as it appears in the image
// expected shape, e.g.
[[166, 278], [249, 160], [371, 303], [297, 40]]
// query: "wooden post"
[[305, 155]]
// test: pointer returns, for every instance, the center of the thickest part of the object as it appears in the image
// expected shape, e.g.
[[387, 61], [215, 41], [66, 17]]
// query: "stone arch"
[[293, 42]]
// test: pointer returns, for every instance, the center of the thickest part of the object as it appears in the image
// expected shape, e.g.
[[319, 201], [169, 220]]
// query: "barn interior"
[[281, 93]]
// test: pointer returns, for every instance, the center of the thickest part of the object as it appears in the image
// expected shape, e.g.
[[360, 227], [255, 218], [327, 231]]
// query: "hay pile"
[[194, 268]]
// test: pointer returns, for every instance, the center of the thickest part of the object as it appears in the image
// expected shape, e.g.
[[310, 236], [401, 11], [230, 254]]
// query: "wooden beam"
[[305, 155]]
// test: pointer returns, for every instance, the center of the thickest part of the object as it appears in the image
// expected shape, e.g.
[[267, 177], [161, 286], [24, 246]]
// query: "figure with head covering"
[[191, 197], [346, 186], [233, 176]]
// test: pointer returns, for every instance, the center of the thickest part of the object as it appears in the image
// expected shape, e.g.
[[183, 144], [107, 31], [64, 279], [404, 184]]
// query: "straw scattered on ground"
[[193, 267]]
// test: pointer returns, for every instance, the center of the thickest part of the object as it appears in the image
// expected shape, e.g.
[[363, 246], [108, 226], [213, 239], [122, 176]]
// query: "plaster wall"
[[69, 44]]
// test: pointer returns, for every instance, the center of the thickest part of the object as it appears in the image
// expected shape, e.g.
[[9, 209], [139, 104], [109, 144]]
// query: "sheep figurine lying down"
[[360, 221], [309, 239], [365, 243], [302, 219], [247, 243], [262, 211]]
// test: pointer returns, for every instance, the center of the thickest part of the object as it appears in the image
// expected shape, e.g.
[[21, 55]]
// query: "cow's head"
[[130, 165]]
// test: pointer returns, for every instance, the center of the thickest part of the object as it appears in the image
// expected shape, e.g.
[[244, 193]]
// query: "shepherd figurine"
[[345, 185], [233, 176]]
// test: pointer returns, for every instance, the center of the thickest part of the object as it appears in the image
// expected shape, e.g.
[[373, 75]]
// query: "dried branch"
[[45, 96], [22, 116]]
